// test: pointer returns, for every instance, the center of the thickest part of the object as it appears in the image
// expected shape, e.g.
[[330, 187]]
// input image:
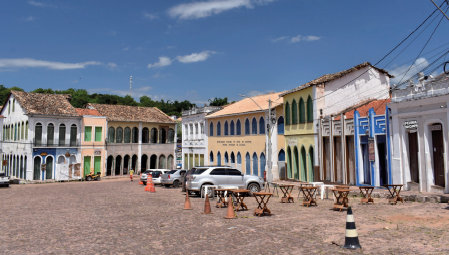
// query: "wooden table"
[[220, 193], [342, 198], [264, 197], [394, 190], [341, 187], [239, 195], [286, 190], [309, 195], [366, 193]]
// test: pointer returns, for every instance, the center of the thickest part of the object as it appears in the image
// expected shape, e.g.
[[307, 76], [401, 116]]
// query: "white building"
[[41, 134], [420, 121], [194, 138]]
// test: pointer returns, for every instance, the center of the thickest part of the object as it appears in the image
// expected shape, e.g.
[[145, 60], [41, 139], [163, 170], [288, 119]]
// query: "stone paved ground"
[[117, 216]]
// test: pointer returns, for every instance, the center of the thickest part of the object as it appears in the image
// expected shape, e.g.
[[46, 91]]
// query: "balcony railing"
[[40, 143]]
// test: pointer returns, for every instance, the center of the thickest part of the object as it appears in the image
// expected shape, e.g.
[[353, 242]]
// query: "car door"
[[219, 177], [236, 178]]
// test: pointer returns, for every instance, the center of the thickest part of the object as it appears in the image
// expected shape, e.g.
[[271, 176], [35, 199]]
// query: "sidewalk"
[[21, 181]]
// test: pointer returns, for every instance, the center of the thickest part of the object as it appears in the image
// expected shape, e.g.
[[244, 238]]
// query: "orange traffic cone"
[[152, 188], [207, 206], [187, 202], [147, 188], [140, 179], [230, 213]]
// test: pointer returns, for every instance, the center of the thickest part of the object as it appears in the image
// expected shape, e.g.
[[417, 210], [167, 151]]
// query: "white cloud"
[[279, 39], [295, 39], [37, 3], [253, 93], [112, 33], [308, 38], [311, 38], [150, 16], [29, 18], [163, 61], [196, 10], [29, 62], [195, 57], [112, 65], [415, 68]]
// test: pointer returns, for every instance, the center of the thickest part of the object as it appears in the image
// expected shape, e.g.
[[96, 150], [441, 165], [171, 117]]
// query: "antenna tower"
[[130, 84]]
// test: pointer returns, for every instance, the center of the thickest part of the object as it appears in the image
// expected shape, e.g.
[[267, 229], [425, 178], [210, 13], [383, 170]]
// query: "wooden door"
[[350, 160], [337, 160], [413, 156], [326, 159], [438, 155], [86, 165]]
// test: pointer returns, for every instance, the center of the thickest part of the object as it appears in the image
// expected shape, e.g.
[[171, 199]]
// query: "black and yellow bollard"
[[351, 236]]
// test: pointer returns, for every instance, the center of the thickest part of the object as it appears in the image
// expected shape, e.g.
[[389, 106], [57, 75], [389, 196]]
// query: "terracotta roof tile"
[[91, 112], [330, 77], [247, 105], [131, 113], [45, 104], [379, 107]]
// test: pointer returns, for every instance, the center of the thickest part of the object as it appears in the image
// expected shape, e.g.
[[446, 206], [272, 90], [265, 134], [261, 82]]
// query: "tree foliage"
[[218, 101]]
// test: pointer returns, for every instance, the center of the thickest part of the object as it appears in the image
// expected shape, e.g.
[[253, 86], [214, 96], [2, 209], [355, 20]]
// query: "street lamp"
[[271, 121]]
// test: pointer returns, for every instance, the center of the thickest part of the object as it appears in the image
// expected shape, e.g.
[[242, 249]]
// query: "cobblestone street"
[[117, 216]]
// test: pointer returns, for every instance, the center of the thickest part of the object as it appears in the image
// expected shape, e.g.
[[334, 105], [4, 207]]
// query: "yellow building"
[[300, 133], [238, 135]]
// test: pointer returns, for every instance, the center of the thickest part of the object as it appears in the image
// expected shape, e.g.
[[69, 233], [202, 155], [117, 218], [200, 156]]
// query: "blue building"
[[372, 144]]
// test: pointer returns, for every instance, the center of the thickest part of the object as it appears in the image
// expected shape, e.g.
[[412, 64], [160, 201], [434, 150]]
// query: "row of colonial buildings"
[[44, 137], [348, 127]]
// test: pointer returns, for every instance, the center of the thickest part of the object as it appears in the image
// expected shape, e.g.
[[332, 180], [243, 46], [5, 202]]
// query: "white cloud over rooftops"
[[163, 61], [34, 63], [192, 58]]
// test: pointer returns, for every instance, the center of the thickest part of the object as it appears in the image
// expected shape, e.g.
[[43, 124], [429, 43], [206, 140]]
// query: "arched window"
[[38, 134], [9, 107], [211, 157], [202, 128], [304, 173], [226, 130], [248, 163], [281, 156], [196, 128], [219, 128], [23, 131], [281, 125], [238, 128], [261, 125], [162, 135], [218, 159], [26, 131], [232, 158], [309, 109], [255, 164], [171, 135], [226, 158], [287, 114], [50, 135], [15, 132], [254, 127], [232, 128], [311, 164], [73, 134], [111, 135], [239, 158], [170, 161], [302, 113], [127, 135], [145, 135], [153, 135], [247, 129], [13, 104], [162, 163], [211, 129], [186, 131], [262, 164], [119, 135], [294, 112], [62, 135], [135, 135]]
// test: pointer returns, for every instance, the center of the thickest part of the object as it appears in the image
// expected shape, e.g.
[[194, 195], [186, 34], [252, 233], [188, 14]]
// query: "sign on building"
[[371, 149], [292, 142], [97, 152], [411, 124], [435, 127]]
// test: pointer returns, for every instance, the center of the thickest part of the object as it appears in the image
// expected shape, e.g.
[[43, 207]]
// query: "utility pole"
[[270, 173], [130, 84], [440, 9]]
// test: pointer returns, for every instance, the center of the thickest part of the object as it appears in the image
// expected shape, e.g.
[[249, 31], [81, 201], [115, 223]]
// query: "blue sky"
[[196, 50]]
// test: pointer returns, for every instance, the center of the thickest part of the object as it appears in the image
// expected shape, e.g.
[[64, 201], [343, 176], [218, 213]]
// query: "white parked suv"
[[155, 173], [223, 177]]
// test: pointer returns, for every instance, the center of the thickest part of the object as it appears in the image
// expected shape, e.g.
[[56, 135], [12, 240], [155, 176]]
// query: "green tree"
[[218, 101]]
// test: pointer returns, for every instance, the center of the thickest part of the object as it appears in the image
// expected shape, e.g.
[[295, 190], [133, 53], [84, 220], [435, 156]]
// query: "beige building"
[[238, 135]]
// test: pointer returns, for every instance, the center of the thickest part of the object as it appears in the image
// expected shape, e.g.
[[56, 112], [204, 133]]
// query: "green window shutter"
[[302, 113], [309, 110], [294, 113], [87, 134], [287, 114], [97, 164], [98, 134]]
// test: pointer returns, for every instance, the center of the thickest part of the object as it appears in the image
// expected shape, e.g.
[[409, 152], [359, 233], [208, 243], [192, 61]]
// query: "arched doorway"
[[109, 165], [170, 162], [438, 153], [263, 163], [289, 163], [134, 163], [49, 168], [218, 159], [255, 164], [126, 164], [303, 165], [37, 168], [311, 164], [162, 163], [144, 162], [118, 165], [296, 163], [162, 135], [153, 162], [248, 163]]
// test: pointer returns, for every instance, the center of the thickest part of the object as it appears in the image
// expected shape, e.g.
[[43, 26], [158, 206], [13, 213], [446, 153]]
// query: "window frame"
[[85, 132]]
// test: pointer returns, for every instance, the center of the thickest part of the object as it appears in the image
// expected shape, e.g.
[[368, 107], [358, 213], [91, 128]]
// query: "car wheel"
[[209, 192], [144, 183], [176, 184], [89, 178], [253, 187]]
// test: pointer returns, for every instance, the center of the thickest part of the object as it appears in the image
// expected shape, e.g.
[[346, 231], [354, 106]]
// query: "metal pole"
[[269, 174], [440, 9]]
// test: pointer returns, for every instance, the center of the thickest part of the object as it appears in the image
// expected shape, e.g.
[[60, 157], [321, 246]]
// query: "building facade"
[[238, 135], [138, 138], [420, 121]]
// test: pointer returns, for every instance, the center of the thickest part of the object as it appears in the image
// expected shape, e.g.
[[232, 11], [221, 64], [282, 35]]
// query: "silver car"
[[223, 177], [172, 178], [155, 173]]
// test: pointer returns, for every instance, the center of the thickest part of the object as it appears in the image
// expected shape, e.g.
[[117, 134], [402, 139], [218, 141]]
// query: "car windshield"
[[197, 171], [147, 172], [156, 174], [172, 172]]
